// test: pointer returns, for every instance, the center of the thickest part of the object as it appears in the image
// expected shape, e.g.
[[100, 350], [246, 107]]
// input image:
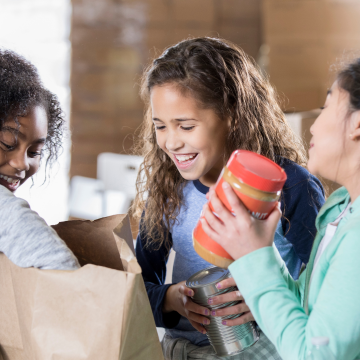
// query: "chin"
[[312, 165], [189, 177]]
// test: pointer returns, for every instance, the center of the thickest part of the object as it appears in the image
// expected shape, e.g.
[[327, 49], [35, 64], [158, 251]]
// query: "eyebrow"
[[18, 133], [10, 129], [181, 119]]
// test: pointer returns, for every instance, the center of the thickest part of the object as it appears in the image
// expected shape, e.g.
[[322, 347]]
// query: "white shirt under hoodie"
[[27, 240]]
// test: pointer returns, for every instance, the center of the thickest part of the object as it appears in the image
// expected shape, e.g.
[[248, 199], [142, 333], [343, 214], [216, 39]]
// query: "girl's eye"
[[7, 147], [34, 154], [159, 127], [322, 108], [187, 128]]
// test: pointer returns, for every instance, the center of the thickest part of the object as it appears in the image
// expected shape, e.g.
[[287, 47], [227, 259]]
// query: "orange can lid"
[[256, 170]]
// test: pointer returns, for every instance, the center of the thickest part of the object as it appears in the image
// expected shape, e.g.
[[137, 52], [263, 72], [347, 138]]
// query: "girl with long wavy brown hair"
[[206, 98]]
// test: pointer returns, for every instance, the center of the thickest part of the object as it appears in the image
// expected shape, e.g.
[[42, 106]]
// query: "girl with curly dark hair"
[[206, 98], [31, 127]]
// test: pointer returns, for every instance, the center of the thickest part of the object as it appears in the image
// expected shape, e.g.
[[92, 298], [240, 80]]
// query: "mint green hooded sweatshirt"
[[291, 312]]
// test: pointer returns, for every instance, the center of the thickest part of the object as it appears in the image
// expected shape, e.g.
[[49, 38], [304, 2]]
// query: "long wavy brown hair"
[[220, 76]]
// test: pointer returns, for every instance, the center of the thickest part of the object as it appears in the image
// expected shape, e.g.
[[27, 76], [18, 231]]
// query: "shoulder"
[[10, 202], [347, 239], [333, 206], [340, 195], [5, 193], [298, 176]]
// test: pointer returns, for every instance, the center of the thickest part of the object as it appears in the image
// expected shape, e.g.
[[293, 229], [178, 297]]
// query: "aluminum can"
[[226, 340]]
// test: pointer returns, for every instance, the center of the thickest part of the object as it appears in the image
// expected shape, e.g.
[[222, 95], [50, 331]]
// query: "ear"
[[229, 119], [355, 126]]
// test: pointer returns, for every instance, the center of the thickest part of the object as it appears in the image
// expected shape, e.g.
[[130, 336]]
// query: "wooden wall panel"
[[113, 40]]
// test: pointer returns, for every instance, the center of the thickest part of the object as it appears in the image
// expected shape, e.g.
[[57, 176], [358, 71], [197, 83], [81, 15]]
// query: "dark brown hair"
[[220, 76], [349, 80]]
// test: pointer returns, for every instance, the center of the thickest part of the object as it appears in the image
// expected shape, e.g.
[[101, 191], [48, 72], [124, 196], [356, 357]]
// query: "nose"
[[18, 160], [173, 141], [312, 128]]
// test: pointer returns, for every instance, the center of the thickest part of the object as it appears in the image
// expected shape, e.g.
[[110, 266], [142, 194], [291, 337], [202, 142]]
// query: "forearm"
[[169, 299], [163, 310], [280, 314], [272, 302], [295, 286]]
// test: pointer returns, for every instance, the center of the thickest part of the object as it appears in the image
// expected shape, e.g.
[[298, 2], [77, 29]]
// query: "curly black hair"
[[20, 91]]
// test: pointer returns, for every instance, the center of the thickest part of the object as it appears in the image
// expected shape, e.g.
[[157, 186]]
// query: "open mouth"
[[185, 160], [11, 183]]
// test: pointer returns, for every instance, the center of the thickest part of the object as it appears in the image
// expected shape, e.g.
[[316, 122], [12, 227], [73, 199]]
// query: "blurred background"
[[91, 53]]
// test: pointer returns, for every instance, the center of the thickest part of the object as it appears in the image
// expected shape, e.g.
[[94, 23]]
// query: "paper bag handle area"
[[101, 242]]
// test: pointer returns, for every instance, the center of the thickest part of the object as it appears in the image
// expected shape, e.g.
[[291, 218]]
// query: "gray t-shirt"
[[27, 240]]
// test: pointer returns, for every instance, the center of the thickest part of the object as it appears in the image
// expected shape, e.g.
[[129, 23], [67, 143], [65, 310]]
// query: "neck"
[[208, 181], [352, 185], [210, 178], [354, 192]]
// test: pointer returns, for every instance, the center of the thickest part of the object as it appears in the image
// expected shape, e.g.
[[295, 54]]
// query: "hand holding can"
[[257, 181]]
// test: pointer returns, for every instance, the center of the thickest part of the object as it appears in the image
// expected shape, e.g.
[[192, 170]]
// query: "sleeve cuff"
[[165, 320], [256, 271]]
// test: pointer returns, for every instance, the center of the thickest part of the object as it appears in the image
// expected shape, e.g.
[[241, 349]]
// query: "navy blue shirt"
[[301, 199]]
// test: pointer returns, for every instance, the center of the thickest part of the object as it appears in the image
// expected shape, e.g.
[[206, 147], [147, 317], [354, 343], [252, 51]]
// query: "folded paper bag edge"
[[125, 245], [92, 241]]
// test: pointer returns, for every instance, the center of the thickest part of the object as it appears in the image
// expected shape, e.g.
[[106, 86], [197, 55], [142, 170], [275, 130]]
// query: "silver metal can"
[[226, 340]]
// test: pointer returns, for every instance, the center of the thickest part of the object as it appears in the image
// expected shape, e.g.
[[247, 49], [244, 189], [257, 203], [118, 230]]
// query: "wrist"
[[243, 251], [169, 300]]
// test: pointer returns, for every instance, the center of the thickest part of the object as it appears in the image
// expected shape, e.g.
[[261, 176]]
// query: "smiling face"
[[193, 137], [333, 154], [20, 148]]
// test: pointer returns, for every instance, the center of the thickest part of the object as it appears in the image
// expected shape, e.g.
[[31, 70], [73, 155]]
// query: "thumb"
[[211, 190], [274, 218]]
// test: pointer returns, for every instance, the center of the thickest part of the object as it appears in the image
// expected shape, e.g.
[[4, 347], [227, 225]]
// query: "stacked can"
[[226, 340]]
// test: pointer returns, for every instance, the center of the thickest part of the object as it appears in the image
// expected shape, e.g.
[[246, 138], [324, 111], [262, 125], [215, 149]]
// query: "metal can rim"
[[189, 280]]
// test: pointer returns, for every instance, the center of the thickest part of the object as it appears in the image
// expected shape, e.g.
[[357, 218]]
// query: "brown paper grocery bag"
[[99, 312]]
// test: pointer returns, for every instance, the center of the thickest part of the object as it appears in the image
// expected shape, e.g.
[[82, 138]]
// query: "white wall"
[[39, 30]]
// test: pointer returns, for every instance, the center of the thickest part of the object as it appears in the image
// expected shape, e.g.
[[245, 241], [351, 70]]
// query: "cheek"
[[209, 141], [2, 157], [325, 156], [160, 140], [34, 167]]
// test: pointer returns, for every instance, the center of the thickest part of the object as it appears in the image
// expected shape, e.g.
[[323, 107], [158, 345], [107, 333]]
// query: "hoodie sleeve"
[[27, 240], [301, 199], [153, 264]]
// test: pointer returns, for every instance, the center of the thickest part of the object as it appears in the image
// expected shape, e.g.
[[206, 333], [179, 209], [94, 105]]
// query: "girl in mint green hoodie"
[[325, 301]]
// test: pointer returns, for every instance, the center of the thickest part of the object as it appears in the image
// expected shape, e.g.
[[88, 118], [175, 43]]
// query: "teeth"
[[9, 179], [183, 158]]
